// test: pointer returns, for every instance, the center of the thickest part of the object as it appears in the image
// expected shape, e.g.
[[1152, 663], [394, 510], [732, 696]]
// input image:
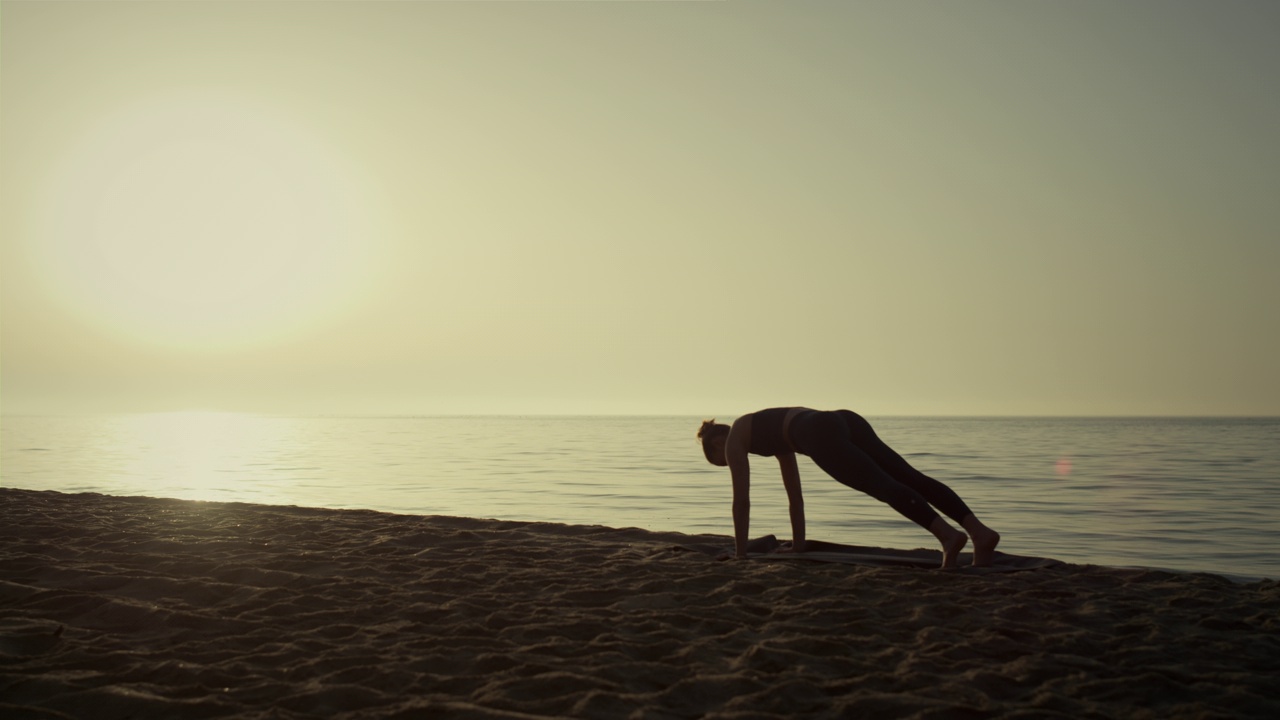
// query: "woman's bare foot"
[[984, 547], [951, 550], [984, 541], [953, 541]]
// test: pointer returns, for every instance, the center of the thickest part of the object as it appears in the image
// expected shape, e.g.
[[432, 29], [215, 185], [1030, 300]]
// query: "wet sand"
[[116, 607]]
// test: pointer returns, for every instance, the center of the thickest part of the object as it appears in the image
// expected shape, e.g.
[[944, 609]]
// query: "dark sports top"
[[766, 432]]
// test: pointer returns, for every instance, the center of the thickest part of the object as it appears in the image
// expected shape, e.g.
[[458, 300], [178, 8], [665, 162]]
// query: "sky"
[[903, 208]]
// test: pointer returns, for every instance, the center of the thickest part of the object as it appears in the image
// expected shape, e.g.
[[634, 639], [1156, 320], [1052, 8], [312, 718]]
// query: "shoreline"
[[144, 607]]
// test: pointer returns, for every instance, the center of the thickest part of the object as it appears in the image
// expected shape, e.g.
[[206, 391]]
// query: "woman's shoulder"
[[767, 414]]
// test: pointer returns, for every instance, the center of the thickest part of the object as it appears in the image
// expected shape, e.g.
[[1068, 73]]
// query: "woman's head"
[[713, 436]]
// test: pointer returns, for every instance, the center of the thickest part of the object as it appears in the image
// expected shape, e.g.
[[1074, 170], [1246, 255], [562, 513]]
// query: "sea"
[[1180, 494]]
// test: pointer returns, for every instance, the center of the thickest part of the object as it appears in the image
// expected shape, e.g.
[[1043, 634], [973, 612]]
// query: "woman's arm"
[[735, 452], [795, 498]]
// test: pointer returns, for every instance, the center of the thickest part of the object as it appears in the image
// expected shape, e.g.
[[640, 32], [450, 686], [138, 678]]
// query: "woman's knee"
[[910, 504], [902, 498]]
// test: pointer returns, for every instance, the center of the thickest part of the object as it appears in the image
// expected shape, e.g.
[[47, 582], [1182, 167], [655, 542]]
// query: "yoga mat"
[[766, 548]]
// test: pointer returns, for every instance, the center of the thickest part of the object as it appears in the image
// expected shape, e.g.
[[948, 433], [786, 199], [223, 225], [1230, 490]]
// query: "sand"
[[115, 607]]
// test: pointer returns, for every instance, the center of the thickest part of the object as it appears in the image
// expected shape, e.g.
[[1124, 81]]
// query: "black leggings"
[[843, 444]]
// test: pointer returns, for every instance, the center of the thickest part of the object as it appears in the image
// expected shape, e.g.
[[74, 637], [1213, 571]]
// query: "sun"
[[196, 221]]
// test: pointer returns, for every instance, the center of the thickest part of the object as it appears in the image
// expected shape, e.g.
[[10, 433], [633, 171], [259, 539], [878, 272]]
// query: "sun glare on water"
[[198, 222], [186, 454]]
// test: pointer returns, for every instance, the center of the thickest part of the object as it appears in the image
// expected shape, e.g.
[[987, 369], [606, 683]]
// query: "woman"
[[843, 444]]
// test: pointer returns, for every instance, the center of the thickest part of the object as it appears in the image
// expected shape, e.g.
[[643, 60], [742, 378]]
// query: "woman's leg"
[[825, 439], [935, 492]]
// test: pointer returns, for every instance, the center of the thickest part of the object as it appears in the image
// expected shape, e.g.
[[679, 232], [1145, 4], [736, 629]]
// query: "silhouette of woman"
[[843, 444]]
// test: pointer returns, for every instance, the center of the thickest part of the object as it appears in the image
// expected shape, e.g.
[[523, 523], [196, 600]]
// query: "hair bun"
[[706, 424]]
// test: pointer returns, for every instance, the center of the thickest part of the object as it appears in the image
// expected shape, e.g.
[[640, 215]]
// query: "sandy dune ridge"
[[114, 607]]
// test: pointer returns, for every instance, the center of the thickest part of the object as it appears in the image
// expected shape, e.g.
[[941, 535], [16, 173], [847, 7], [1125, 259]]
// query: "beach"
[[131, 607]]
